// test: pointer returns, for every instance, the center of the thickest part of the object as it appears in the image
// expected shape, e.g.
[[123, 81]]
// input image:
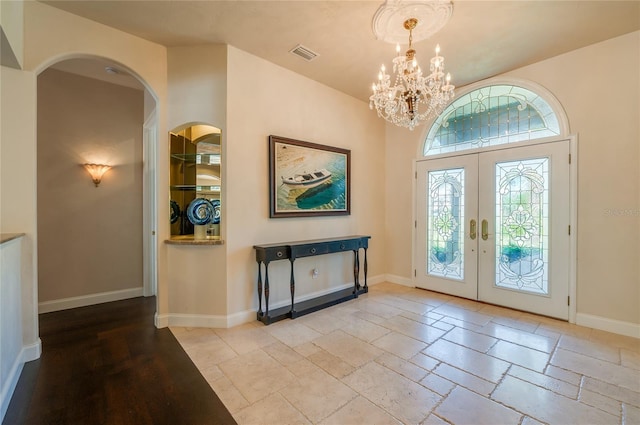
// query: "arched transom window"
[[490, 116]]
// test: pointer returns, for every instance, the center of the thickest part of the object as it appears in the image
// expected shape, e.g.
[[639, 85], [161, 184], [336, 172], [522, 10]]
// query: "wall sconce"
[[97, 171]]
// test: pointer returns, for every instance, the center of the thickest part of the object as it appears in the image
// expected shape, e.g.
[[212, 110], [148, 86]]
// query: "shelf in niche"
[[189, 240], [197, 188], [204, 158]]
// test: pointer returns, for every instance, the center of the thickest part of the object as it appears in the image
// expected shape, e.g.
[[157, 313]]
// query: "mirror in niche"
[[195, 182]]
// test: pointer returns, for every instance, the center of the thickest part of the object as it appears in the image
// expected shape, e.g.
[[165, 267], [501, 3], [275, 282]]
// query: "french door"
[[494, 227]]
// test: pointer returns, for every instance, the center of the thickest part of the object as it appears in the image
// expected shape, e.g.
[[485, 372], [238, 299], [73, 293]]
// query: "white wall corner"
[[161, 320], [32, 351], [241, 318], [196, 320], [374, 280], [404, 281], [608, 325]]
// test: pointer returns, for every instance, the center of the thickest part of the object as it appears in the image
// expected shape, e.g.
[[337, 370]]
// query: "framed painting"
[[308, 179]]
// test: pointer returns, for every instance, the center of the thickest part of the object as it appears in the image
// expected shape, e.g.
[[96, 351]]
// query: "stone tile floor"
[[404, 355]]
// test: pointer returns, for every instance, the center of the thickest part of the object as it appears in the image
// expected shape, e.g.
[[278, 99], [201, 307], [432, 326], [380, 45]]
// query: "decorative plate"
[[175, 211], [216, 211], [200, 211]]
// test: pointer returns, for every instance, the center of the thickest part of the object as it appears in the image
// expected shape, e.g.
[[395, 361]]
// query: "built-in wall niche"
[[195, 182]]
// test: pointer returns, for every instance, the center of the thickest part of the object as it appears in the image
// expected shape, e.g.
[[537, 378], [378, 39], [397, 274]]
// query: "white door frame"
[[573, 189], [149, 215]]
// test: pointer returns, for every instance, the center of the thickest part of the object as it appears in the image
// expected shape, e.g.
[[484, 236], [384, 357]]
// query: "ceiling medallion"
[[432, 15]]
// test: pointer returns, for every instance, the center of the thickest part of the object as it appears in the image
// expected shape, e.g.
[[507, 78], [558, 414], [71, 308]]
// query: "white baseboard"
[[10, 385], [239, 318], [404, 281], [374, 280], [609, 325], [91, 299], [196, 320], [32, 351], [161, 320], [27, 354]]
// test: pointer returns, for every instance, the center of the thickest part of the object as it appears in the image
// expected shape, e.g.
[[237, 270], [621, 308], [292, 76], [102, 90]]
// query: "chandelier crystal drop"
[[413, 98]]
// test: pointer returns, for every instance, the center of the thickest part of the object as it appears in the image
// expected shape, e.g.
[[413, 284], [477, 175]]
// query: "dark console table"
[[292, 250]]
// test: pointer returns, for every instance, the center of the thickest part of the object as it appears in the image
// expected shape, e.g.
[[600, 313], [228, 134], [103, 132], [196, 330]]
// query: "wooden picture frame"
[[307, 179]]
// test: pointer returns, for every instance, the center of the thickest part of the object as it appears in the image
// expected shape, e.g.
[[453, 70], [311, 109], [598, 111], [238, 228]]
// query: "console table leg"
[[365, 270], [266, 290], [292, 287], [356, 271], [259, 290]]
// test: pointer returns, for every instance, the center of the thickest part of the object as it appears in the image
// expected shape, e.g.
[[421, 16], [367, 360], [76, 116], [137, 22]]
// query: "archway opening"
[[93, 246]]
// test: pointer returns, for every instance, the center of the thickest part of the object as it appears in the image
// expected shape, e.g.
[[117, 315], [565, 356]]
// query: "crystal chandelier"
[[413, 97]]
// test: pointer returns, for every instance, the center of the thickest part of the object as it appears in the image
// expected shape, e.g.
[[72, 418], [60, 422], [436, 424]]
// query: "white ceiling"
[[482, 39]]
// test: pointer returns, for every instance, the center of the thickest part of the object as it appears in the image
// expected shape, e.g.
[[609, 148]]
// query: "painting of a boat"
[[307, 180]]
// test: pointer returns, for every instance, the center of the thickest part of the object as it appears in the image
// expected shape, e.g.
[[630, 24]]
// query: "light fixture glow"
[[97, 171], [413, 97]]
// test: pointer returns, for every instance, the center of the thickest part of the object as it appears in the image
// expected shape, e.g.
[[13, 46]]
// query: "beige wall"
[[89, 239], [250, 99], [197, 93], [598, 87], [265, 99], [12, 29], [197, 85]]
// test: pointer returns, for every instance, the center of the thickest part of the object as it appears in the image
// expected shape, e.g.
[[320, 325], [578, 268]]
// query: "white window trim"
[[545, 94]]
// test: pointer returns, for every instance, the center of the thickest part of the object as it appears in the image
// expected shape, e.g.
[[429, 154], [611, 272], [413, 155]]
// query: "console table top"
[[312, 241]]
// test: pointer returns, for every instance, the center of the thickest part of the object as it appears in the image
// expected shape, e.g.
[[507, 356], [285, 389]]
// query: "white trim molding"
[[404, 281], [27, 353], [196, 320], [32, 351], [91, 299], [161, 320], [608, 325], [6, 392], [241, 317]]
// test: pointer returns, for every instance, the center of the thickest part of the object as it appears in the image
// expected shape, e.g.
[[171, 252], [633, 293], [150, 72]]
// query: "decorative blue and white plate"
[[216, 211], [175, 211], [200, 211]]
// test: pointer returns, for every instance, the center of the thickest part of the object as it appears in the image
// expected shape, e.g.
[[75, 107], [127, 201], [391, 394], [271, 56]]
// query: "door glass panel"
[[445, 230], [522, 225]]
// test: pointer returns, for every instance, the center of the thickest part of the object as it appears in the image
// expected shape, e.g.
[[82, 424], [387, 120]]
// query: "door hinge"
[[568, 300], [415, 273], [415, 224], [569, 158], [416, 175], [569, 229]]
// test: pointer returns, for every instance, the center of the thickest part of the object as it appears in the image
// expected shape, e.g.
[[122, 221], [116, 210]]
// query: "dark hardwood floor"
[[108, 364]]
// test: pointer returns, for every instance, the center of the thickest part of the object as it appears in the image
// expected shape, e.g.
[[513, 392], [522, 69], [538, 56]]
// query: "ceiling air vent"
[[304, 52]]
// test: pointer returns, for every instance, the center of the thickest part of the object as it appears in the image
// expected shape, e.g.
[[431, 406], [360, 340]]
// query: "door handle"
[[485, 230], [473, 232]]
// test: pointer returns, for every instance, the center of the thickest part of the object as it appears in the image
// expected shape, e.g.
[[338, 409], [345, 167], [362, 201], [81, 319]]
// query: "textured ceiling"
[[482, 39]]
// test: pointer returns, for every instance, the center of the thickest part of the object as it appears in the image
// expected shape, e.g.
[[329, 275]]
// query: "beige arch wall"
[[51, 35]]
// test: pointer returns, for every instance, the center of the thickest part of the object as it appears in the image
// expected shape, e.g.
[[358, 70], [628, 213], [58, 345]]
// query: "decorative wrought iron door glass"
[[445, 237]]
